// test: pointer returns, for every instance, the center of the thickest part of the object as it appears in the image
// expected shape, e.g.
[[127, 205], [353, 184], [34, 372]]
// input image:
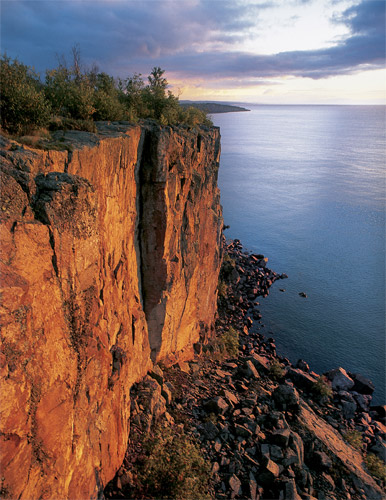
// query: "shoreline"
[[267, 428]]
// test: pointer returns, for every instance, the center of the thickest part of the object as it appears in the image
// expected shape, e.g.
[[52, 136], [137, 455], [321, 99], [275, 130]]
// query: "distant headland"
[[212, 107]]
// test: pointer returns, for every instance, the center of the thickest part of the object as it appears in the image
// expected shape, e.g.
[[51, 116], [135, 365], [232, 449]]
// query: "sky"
[[256, 51]]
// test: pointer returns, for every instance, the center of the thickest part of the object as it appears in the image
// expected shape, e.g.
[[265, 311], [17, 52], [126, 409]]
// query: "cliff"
[[109, 262]]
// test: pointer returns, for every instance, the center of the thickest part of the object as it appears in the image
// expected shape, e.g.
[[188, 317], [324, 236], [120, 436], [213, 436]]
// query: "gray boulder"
[[340, 380]]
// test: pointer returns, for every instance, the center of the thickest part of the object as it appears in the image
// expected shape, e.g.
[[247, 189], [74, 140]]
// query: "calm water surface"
[[305, 185]]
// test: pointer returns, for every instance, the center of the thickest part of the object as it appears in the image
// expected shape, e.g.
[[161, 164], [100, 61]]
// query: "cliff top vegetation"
[[73, 97]]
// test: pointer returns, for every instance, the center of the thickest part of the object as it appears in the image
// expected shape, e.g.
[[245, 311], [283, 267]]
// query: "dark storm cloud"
[[112, 33], [191, 37]]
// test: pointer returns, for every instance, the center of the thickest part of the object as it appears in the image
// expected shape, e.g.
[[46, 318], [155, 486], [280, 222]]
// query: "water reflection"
[[305, 186]]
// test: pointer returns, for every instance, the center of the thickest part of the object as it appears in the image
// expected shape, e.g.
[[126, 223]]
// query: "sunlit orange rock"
[[109, 261]]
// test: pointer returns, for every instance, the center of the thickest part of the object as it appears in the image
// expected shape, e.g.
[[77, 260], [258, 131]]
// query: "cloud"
[[193, 38], [109, 31], [364, 48]]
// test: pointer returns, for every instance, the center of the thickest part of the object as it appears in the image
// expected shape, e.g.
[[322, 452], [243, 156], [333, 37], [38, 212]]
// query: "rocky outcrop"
[[109, 261]]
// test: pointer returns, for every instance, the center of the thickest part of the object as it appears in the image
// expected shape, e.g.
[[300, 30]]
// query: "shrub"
[[72, 92], [174, 467], [227, 267], [228, 259], [193, 117], [23, 104], [222, 289], [230, 340], [354, 438], [322, 388], [376, 466], [276, 370]]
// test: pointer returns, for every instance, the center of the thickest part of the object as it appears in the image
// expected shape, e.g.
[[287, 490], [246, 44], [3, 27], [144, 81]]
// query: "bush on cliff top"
[[83, 95]]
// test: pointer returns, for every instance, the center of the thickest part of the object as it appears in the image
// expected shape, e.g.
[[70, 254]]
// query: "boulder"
[[348, 409], [210, 430], [235, 485], [290, 491], [296, 444], [302, 365], [269, 471], [349, 406], [286, 397], [167, 392], [340, 380], [362, 384], [379, 448], [303, 380], [242, 431], [230, 397], [321, 461], [217, 405], [363, 401], [261, 363], [252, 487], [281, 437], [250, 371], [157, 374]]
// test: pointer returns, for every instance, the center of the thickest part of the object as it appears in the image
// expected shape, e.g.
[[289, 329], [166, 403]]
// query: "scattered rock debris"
[[269, 430]]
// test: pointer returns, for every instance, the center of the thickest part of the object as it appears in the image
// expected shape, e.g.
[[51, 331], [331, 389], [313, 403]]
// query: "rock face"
[[109, 261]]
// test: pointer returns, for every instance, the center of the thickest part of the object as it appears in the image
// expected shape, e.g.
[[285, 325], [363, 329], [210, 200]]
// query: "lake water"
[[305, 186]]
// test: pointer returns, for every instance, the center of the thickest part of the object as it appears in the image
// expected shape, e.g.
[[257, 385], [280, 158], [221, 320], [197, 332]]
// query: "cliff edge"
[[110, 258]]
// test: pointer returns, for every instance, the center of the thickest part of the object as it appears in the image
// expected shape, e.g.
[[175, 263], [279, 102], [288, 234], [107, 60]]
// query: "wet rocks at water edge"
[[266, 428]]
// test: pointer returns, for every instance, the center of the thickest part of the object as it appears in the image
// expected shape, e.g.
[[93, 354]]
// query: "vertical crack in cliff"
[[139, 212], [152, 210], [68, 161], [54, 256]]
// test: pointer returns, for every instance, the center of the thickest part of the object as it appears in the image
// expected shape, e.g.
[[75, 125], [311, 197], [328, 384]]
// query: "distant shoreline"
[[213, 107]]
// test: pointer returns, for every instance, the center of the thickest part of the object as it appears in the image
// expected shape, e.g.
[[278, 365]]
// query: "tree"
[[23, 104], [107, 103], [134, 96], [70, 95], [156, 97], [157, 82]]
